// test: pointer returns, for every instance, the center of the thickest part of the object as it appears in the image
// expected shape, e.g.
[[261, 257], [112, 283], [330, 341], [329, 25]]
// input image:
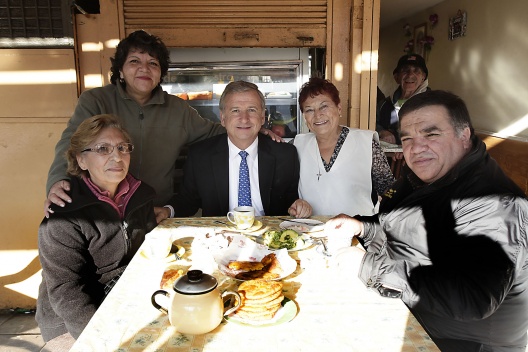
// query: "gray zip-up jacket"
[[82, 247], [159, 130], [457, 251]]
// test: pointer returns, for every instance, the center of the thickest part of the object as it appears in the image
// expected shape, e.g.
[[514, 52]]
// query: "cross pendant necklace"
[[319, 159]]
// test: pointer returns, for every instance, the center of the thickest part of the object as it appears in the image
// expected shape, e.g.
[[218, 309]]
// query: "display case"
[[279, 81]]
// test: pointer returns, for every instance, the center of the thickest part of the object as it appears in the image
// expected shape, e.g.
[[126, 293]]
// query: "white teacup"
[[157, 247], [336, 241], [242, 217]]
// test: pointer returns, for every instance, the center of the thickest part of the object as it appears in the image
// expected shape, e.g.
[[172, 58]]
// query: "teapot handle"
[[155, 304], [238, 301]]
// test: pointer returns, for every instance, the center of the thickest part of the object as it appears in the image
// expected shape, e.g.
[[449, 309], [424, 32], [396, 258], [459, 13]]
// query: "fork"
[[320, 240], [220, 222]]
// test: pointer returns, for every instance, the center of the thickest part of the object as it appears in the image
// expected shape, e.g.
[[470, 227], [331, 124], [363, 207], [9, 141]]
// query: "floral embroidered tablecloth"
[[332, 314]]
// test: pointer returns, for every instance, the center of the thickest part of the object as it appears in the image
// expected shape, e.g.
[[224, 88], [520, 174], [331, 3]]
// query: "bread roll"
[[183, 95], [169, 278], [204, 95]]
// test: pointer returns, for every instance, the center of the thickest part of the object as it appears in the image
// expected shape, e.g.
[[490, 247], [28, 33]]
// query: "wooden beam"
[[339, 49], [366, 63], [239, 37]]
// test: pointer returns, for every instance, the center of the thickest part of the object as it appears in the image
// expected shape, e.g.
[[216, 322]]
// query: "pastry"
[[245, 265], [268, 268], [169, 278], [204, 95], [257, 274], [183, 95]]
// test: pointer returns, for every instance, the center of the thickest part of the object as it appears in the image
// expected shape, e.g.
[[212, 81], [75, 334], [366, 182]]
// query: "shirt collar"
[[251, 150]]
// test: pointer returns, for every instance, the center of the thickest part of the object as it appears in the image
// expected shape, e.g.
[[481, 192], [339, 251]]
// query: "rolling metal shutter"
[[230, 22]]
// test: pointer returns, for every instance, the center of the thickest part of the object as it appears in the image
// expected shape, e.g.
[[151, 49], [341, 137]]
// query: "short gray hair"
[[240, 87]]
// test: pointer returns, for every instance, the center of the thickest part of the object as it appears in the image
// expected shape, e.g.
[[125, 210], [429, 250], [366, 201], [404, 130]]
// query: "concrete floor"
[[19, 331]]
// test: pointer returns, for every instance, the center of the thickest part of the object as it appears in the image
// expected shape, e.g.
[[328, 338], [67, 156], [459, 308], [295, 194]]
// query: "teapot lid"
[[195, 283]]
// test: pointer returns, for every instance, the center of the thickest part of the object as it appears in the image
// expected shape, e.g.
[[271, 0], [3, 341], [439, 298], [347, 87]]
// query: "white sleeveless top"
[[347, 187]]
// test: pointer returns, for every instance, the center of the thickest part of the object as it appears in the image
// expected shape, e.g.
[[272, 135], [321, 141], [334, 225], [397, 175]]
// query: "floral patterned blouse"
[[381, 174]]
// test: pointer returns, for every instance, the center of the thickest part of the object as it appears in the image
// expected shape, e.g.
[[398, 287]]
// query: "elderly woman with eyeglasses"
[[86, 245]]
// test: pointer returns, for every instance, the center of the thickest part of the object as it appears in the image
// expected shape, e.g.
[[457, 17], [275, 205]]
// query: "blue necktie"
[[244, 190]]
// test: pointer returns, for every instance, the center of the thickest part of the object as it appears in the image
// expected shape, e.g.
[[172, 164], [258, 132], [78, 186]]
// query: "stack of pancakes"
[[261, 299]]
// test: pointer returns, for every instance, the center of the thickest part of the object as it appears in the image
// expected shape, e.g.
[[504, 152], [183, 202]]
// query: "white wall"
[[488, 67]]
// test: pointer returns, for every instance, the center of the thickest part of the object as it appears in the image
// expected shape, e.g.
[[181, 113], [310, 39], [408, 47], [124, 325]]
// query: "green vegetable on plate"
[[278, 239]]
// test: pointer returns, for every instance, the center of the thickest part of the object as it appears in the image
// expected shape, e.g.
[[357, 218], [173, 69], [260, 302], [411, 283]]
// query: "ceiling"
[[393, 10]]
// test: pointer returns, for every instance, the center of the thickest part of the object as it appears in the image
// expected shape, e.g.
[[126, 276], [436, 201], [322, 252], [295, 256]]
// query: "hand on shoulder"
[[57, 195]]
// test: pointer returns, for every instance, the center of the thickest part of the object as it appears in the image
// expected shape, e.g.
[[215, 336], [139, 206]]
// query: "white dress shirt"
[[234, 170]]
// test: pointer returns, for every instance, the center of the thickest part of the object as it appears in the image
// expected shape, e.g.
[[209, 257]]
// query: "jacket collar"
[[83, 197], [266, 170], [158, 95]]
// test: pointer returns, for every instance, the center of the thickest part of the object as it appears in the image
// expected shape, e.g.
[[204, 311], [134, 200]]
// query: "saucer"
[[175, 253], [256, 226]]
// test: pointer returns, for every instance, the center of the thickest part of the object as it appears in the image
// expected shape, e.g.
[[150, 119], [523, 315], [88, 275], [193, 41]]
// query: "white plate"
[[279, 95], [286, 313], [389, 147], [287, 271], [310, 225], [243, 248]]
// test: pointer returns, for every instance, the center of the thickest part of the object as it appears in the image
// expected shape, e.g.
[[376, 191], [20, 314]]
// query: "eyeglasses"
[[105, 148]]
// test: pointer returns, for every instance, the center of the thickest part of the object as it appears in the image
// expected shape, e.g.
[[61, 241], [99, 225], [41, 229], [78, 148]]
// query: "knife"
[[301, 222]]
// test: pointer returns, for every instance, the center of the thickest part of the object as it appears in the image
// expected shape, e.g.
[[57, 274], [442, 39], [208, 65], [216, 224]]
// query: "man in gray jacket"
[[450, 239]]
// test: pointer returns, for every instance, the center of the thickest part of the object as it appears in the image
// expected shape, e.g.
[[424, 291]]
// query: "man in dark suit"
[[211, 172]]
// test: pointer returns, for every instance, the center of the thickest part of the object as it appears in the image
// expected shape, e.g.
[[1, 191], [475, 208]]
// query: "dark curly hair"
[[455, 106], [142, 41], [316, 86]]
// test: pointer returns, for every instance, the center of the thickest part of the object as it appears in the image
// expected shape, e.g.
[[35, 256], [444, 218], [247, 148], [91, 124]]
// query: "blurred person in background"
[[411, 74]]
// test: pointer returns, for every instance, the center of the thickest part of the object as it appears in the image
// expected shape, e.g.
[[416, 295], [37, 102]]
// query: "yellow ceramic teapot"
[[196, 305]]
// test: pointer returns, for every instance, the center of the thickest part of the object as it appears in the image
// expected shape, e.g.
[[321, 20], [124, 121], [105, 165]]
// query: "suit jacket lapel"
[[266, 162], [220, 172]]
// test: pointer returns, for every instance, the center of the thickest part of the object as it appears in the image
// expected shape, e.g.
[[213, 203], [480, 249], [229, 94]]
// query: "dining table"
[[326, 312], [393, 152]]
